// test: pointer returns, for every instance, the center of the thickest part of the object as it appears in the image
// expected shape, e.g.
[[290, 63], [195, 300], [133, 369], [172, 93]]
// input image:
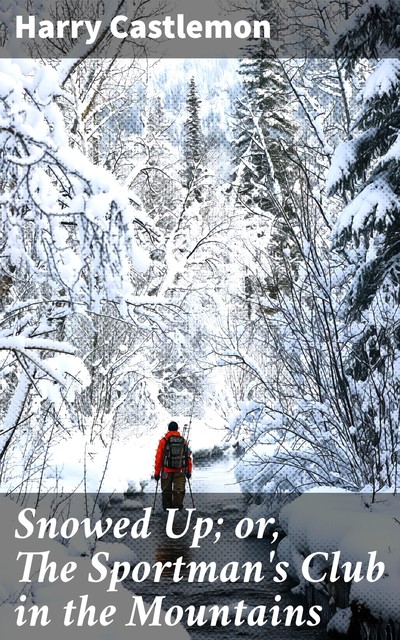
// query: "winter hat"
[[173, 426]]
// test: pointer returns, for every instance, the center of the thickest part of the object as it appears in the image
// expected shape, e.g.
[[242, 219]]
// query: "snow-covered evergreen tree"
[[365, 172], [264, 173], [263, 124], [194, 147]]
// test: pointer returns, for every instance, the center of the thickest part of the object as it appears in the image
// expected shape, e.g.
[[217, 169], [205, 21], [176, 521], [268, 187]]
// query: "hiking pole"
[[155, 497], [191, 415], [191, 494], [188, 433]]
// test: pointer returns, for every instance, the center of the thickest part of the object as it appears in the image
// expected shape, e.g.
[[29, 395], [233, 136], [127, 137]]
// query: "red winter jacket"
[[158, 465]]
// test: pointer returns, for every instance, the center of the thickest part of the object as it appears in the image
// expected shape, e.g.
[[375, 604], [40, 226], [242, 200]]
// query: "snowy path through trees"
[[211, 240], [254, 596]]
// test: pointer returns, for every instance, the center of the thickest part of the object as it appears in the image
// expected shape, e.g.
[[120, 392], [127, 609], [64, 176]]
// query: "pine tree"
[[366, 170], [262, 178], [194, 147], [262, 125]]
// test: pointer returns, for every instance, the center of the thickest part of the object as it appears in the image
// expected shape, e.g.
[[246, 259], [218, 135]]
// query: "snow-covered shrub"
[[68, 247]]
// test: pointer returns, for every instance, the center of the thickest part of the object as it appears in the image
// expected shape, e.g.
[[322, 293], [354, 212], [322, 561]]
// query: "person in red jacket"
[[173, 464]]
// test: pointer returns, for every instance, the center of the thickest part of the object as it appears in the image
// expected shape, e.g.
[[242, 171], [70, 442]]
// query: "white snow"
[[57, 594], [77, 463], [376, 198], [131, 464], [383, 80], [323, 521], [343, 159]]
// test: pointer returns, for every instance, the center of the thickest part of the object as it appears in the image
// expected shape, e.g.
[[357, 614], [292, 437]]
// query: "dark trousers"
[[173, 489]]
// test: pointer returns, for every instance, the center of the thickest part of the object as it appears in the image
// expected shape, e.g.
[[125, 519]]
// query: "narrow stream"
[[230, 506], [215, 474]]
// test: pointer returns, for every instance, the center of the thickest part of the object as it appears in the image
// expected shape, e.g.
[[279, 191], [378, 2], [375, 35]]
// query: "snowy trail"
[[210, 476], [160, 548]]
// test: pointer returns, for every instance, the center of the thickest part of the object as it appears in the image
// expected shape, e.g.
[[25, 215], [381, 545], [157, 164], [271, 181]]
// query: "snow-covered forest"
[[216, 237], [217, 242]]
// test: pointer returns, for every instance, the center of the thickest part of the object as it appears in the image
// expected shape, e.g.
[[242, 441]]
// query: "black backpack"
[[175, 453]]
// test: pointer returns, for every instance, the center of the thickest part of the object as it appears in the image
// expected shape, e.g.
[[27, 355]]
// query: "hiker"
[[174, 464]]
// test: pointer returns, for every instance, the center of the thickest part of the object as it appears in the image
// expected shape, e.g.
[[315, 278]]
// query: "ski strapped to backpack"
[[175, 453]]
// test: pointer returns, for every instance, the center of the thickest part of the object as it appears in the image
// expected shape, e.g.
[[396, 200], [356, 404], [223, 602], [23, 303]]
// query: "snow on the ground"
[[57, 594], [357, 527], [78, 465]]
